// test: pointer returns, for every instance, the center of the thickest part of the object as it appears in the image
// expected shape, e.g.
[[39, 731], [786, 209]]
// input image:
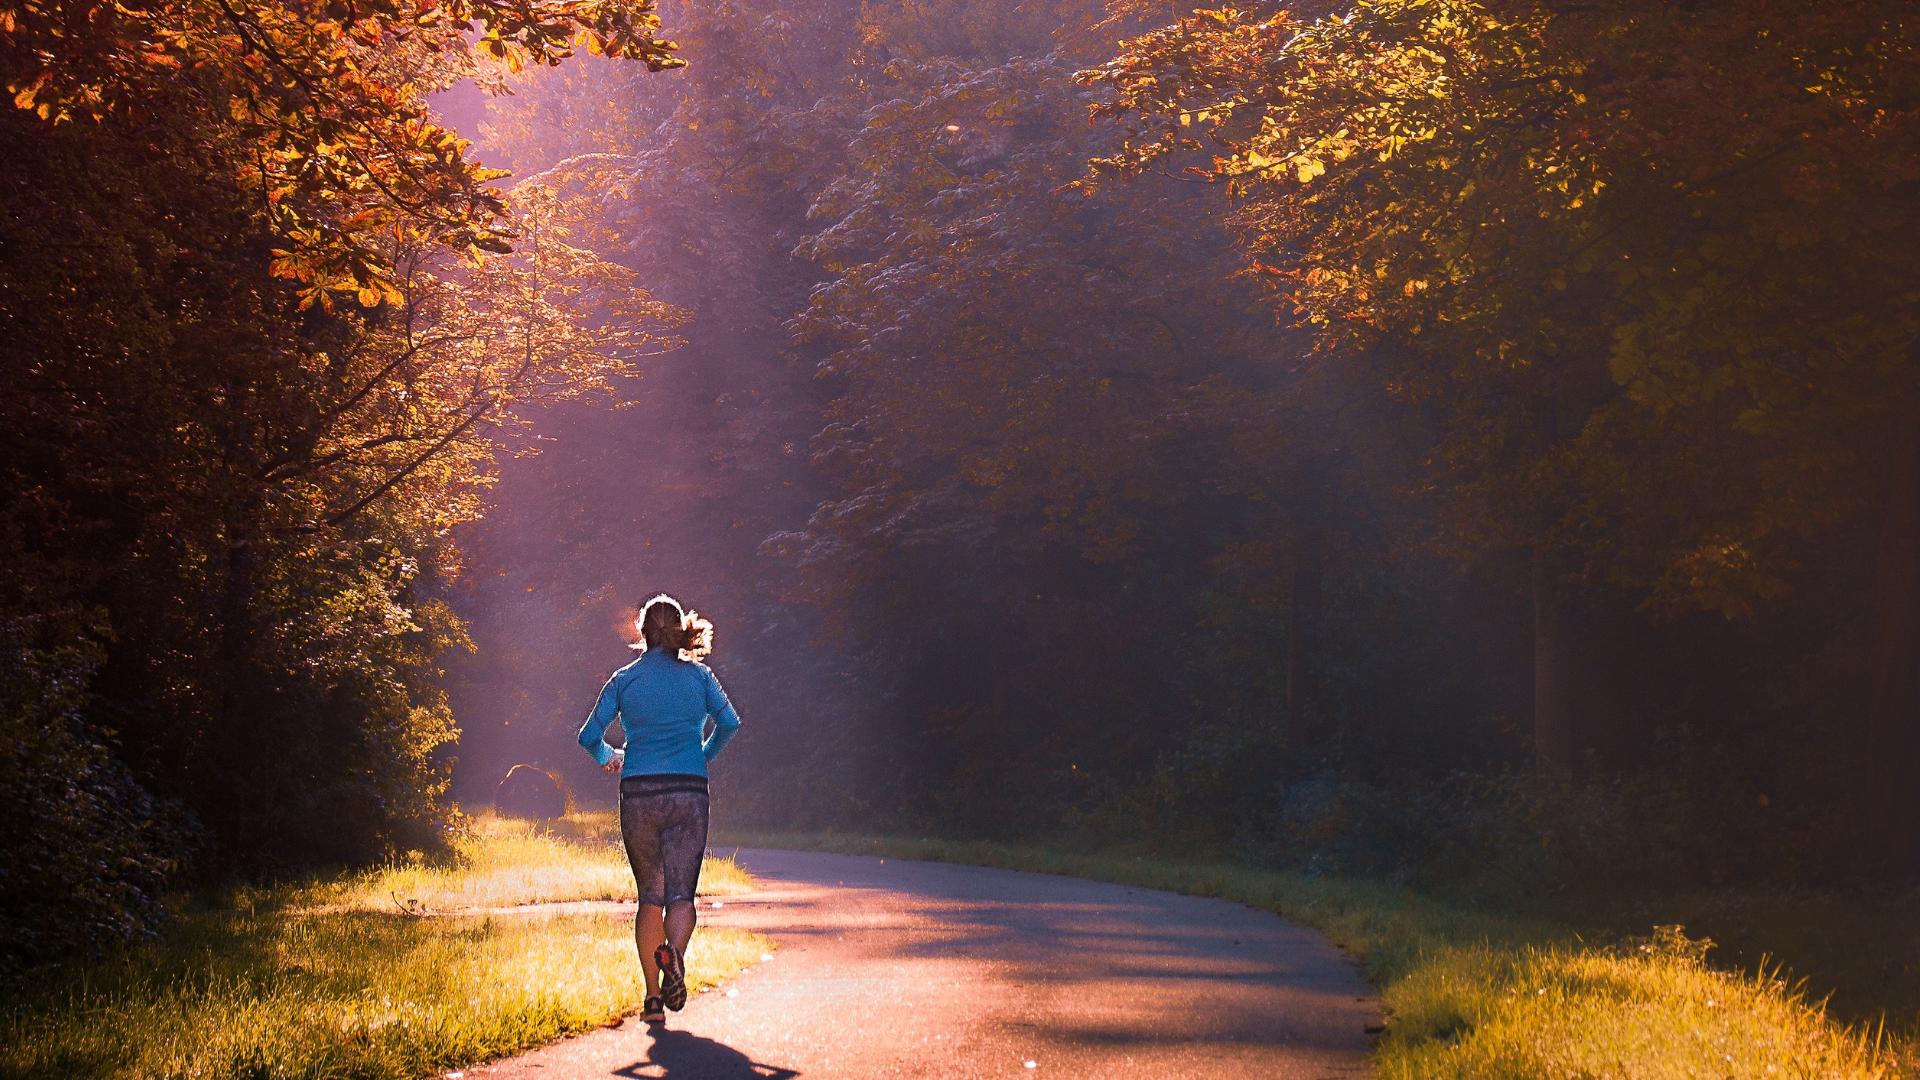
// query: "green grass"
[[1473, 993], [1581, 1010], [330, 979], [1861, 948]]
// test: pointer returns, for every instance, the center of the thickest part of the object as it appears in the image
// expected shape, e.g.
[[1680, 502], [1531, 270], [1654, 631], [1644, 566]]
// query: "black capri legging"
[[663, 820]]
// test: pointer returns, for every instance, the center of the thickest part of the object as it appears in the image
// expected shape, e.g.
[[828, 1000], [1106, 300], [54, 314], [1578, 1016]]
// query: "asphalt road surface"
[[890, 968]]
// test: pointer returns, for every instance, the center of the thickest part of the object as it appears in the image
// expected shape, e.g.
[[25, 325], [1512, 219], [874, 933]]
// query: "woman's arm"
[[593, 732], [725, 720]]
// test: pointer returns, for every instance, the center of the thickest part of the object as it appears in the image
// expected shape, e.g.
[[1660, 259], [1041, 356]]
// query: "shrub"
[[92, 848]]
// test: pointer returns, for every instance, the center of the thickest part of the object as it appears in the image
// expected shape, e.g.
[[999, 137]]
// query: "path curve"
[[894, 968]]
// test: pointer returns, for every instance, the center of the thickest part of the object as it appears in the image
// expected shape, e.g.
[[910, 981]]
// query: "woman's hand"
[[612, 767]]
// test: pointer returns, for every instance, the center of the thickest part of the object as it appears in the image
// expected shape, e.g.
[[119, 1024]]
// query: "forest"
[[1473, 444]]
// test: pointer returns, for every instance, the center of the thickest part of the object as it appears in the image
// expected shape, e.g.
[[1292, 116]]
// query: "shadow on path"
[[958, 971], [682, 1055]]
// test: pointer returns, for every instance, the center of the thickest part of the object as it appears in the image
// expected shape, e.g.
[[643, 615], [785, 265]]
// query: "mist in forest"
[[1029, 433], [1465, 445], [1445, 473]]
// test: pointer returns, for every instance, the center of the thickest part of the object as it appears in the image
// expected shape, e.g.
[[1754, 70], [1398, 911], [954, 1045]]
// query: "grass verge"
[[1472, 993], [331, 979]]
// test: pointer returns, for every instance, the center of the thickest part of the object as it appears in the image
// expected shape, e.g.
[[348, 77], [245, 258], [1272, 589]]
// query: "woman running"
[[663, 700]]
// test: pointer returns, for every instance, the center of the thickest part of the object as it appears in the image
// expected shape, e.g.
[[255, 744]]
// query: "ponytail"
[[664, 625]]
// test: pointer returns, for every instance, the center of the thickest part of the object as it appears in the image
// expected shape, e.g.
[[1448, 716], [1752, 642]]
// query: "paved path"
[[890, 968]]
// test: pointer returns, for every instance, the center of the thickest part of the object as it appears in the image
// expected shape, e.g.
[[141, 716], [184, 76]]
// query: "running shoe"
[[673, 977], [653, 1012]]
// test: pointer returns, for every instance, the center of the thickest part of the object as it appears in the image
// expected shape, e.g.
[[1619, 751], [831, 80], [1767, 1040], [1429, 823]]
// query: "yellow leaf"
[[1308, 168]]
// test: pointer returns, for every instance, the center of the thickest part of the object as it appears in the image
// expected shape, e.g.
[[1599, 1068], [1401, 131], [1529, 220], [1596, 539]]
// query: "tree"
[[266, 336], [315, 105], [1609, 244]]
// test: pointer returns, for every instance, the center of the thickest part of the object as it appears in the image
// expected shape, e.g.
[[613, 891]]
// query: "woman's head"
[[665, 625]]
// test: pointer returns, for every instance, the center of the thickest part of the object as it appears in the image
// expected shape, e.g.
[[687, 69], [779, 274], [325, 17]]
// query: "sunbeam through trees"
[[1468, 445]]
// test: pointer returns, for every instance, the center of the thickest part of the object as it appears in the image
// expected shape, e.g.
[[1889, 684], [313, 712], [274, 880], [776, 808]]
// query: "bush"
[[1508, 833], [529, 791], [93, 848]]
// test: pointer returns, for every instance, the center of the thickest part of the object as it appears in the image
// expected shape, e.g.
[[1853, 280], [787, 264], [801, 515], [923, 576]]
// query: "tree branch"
[[327, 418], [393, 481]]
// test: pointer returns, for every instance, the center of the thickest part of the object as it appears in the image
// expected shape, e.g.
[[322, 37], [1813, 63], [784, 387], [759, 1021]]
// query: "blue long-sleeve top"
[[663, 703]]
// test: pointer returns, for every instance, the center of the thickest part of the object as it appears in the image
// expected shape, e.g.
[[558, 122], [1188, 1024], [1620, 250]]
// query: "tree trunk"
[[236, 643], [1892, 745], [1303, 622], [234, 673], [1555, 752]]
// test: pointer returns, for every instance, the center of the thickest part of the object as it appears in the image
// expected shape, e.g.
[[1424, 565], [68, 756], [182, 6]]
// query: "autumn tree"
[[1612, 246], [316, 106], [267, 325]]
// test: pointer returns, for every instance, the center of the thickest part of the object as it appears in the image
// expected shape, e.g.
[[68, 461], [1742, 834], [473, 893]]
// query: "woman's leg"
[[680, 921], [639, 828], [648, 933], [683, 843]]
